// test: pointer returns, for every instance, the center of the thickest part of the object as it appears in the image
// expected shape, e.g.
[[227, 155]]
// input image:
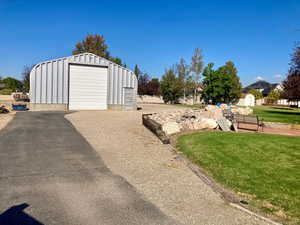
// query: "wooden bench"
[[248, 119]]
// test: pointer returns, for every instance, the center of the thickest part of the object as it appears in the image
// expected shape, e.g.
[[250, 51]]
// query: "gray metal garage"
[[82, 82]]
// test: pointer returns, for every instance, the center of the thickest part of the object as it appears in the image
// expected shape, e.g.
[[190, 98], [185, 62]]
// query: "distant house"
[[246, 100]]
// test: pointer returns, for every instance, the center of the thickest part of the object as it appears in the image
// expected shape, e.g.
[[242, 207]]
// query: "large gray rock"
[[209, 123]]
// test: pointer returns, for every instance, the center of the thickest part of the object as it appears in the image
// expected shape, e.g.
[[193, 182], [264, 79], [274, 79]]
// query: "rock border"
[[156, 128]]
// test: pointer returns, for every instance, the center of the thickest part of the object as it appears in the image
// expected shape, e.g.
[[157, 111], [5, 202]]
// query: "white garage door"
[[88, 88]]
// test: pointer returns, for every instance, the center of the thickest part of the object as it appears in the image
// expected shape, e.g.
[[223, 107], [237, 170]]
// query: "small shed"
[[246, 100], [82, 82]]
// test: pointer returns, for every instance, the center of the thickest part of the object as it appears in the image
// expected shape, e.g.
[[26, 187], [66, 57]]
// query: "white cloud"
[[278, 76], [258, 78]]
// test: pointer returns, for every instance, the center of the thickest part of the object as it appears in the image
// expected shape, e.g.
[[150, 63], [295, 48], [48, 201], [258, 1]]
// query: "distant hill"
[[265, 86]]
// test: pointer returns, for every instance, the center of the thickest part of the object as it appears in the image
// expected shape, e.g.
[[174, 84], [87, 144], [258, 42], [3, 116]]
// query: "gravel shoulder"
[[133, 152], [5, 119]]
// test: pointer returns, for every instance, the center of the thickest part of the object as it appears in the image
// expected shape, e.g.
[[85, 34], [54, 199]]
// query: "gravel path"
[[133, 152]]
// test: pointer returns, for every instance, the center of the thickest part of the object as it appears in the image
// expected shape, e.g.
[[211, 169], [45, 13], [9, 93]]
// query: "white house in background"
[[246, 100]]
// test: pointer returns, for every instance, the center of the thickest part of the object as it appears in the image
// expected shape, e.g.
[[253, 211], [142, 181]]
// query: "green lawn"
[[278, 114], [263, 169]]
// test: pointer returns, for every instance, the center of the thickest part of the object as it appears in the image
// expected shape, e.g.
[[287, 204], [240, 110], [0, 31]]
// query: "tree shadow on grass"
[[16, 216], [284, 113]]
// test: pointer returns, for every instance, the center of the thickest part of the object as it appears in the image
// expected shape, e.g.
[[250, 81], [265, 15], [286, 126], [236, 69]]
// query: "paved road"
[[49, 174]]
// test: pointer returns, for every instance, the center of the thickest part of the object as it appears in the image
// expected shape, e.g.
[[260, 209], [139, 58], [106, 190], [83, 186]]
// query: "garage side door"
[[88, 88]]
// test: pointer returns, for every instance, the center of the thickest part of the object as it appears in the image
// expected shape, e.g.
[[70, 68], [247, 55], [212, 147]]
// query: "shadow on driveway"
[[46, 163]]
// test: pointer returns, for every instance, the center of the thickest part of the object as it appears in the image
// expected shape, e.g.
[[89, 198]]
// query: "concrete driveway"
[[50, 174]]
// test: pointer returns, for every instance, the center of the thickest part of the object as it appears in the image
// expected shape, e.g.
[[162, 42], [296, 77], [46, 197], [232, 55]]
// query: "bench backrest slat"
[[247, 118]]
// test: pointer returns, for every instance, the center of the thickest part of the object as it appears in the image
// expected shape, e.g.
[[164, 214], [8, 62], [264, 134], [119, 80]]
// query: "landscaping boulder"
[[209, 123], [171, 128]]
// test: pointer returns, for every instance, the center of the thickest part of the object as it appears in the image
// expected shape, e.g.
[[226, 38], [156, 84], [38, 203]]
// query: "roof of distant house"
[[264, 86]]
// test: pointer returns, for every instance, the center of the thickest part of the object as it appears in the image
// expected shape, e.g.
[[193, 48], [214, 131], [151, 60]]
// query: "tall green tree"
[[212, 87], [171, 88], [232, 87], [196, 69], [221, 85]]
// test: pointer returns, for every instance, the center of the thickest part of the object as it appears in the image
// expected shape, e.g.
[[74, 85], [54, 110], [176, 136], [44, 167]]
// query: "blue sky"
[[257, 35]]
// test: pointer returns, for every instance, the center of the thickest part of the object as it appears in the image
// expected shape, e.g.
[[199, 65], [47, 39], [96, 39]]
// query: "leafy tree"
[[171, 87], [196, 69], [232, 87], [212, 87], [12, 83], [221, 85], [183, 71], [93, 44], [291, 85], [26, 77], [153, 87], [273, 96], [142, 83], [96, 44], [257, 94]]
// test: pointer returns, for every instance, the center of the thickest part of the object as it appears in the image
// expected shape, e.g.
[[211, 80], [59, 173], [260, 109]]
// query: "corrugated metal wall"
[[49, 81]]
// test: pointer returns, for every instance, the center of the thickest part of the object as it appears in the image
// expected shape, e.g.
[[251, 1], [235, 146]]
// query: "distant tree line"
[[10, 84], [220, 85]]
